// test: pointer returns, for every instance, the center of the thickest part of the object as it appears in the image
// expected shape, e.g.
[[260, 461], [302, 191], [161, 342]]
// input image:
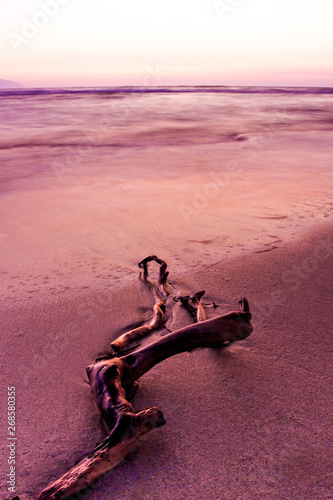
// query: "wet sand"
[[89, 229], [250, 421]]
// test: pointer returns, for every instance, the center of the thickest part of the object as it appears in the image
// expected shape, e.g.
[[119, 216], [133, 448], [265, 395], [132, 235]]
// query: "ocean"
[[61, 131]]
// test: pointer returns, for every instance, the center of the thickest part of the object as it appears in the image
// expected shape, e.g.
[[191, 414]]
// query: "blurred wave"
[[118, 91], [41, 126]]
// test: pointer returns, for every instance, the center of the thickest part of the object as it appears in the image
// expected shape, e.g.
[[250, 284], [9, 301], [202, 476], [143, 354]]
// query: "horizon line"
[[124, 86]]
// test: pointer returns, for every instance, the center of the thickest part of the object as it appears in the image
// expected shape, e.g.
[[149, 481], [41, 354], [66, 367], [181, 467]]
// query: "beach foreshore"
[[249, 421]]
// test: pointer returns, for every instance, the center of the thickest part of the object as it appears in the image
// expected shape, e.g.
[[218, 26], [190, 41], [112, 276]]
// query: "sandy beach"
[[250, 421], [238, 201]]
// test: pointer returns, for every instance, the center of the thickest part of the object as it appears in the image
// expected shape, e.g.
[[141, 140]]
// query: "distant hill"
[[8, 84]]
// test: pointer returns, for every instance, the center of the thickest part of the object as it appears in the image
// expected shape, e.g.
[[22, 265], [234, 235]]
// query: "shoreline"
[[243, 418], [68, 251]]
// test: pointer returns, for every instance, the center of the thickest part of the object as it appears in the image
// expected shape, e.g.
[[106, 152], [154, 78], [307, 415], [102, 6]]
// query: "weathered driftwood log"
[[111, 379]]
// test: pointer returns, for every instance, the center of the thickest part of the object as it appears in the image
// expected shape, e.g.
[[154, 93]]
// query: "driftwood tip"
[[244, 305]]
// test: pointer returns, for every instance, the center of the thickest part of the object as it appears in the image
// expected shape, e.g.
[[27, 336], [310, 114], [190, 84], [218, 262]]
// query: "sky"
[[55, 43]]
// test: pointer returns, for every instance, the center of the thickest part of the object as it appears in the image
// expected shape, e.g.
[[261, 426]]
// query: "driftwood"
[[113, 381], [193, 304], [160, 293], [157, 322]]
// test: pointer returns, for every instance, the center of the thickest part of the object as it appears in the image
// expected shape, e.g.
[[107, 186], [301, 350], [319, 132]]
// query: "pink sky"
[[219, 42]]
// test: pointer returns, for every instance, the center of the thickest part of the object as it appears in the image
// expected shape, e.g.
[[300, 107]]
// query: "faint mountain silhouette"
[[8, 84]]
